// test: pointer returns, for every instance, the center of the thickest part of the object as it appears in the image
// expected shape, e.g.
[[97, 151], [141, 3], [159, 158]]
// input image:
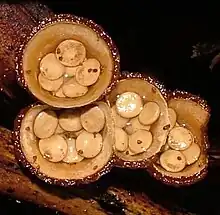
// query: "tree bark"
[[16, 22]]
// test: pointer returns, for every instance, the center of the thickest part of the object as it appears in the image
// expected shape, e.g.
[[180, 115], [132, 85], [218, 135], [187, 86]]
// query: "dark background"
[[157, 38]]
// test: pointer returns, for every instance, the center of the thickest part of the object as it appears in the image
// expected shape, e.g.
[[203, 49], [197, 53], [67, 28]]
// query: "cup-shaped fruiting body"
[[56, 147], [141, 120], [67, 61], [184, 160]]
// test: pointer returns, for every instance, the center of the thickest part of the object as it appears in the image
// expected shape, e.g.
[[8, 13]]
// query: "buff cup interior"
[[148, 92], [46, 40], [195, 118], [60, 170]]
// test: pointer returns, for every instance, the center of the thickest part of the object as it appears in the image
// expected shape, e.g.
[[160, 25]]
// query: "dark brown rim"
[[178, 94], [68, 18], [185, 181], [60, 182], [152, 80], [129, 75]]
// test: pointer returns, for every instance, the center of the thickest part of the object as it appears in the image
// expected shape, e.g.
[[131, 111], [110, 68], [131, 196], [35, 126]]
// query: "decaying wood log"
[[16, 22], [77, 201]]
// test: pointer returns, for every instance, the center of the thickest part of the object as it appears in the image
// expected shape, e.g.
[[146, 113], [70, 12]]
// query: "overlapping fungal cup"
[[67, 61], [65, 147], [140, 114], [184, 160]]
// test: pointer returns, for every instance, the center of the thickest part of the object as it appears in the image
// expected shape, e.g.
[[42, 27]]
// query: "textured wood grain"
[[16, 22]]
